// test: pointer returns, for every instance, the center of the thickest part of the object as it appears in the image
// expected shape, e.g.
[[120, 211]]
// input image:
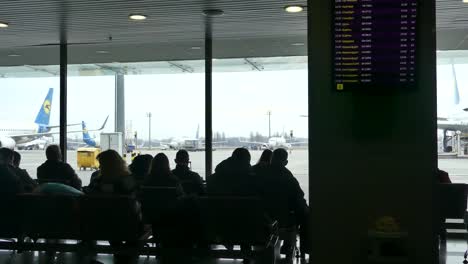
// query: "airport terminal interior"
[[369, 98]]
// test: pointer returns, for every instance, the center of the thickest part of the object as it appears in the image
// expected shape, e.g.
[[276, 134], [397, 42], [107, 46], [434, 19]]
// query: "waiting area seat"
[[53, 221], [453, 205]]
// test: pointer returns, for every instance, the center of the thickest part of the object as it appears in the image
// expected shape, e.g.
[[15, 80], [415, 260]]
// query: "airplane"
[[275, 143], [189, 144], [92, 142], [12, 135]]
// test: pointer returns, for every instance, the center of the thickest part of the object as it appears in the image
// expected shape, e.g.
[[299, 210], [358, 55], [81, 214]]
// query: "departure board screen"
[[374, 44]]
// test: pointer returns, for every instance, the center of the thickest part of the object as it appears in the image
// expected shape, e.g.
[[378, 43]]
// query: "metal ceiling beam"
[[255, 65], [182, 67], [35, 68]]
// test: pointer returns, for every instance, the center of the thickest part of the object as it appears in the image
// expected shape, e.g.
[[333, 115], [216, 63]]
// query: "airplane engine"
[[6, 142]]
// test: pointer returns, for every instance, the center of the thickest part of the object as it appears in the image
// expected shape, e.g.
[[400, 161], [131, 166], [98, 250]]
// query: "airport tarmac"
[[298, 162]]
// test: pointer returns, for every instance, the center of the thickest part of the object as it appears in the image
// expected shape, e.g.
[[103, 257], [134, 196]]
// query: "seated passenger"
[[10, 184], [263, 163], [443, 176], [28, 183], [160, 174], [191, 182], [54, 170], [282, 187], [283, 197], [113, 176], [140, 168], [233, 176]]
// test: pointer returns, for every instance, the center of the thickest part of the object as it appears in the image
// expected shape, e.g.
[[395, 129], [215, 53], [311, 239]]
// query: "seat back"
[[157, 202], [453, 199], [233, 220], [50, 216], [10, 218], [113, 218]]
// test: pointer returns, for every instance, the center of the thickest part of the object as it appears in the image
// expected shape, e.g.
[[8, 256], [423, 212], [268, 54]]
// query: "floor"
[[6, 257], [455, 251]]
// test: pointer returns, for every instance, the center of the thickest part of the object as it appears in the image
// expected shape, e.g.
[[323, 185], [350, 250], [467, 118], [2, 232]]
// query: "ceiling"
[[255, 28], [247, 29]]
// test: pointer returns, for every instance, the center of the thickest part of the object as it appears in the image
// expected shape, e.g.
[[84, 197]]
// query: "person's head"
[[16, 159], [141, 165], [53, 153], [160, 165], [182, 158], [241, 155], [265, 158], [279, 157], [6, 156], [112, 166]]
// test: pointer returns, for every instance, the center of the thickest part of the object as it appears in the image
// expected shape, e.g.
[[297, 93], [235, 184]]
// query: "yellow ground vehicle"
[[86, 158]]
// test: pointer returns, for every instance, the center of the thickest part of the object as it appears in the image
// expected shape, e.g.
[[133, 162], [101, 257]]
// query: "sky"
[[241, 101]]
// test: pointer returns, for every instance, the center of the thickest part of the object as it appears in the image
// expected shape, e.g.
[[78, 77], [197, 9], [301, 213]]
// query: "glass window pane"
[[30, 110]]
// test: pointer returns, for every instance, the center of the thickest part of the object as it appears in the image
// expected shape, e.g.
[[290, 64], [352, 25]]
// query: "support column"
[[120, 105], [208, 97], [63, 100], [371, 154]]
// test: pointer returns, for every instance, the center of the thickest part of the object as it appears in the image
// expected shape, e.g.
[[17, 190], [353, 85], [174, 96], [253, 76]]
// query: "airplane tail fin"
[[43, 117], [457, 91], [86, 135]]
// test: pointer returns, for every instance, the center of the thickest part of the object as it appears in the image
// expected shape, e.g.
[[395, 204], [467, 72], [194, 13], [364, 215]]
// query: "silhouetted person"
[[191, 181], [233, 176], [263, 163], [140, 168], [28, 183], [10, 184], [443, 176], [54, 170], [113, 177], [283, 196], [160, 174]]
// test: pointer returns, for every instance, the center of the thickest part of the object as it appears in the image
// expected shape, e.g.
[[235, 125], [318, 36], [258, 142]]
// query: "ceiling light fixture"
[[3, 25], [213, 12], [293, 8], [102, 52], [13, 55], [195, 48], [298, 44], [137, 17], [465, 1]]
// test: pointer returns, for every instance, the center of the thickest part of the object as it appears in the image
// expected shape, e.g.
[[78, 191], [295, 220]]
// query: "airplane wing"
[[253, 142], [45, 134], [77, 124]]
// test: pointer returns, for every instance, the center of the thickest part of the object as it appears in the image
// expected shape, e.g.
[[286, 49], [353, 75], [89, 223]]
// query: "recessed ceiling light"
[[195, 48], [137, 17], [13, 55], [102, 52], [465, 1], [293, 8], [213, 12], [3, 25], [298, 44]]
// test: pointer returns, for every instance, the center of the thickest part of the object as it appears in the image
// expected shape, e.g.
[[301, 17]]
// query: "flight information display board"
[[374, 44]]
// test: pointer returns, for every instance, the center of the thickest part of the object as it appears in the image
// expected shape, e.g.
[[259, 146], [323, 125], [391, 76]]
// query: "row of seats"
[[219, 221]]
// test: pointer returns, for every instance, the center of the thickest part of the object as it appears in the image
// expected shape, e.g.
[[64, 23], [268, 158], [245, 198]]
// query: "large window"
[[262, 103], [30, 109], [452, 109]]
